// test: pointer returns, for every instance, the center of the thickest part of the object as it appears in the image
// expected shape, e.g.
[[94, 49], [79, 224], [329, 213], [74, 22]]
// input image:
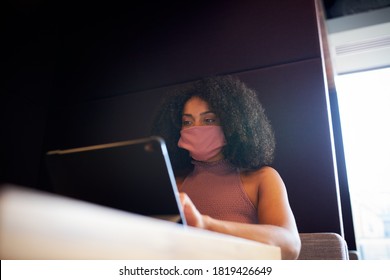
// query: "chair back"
[[323, 246]]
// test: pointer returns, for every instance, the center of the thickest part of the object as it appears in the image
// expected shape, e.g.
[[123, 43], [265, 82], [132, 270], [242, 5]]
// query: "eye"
[[210, 121], [186, 123]]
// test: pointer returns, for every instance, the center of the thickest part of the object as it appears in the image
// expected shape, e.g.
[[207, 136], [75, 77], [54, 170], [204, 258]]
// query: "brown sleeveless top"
[[217, 191]]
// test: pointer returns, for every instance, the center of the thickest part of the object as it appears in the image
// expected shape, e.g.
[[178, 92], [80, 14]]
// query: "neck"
[[215, 158]]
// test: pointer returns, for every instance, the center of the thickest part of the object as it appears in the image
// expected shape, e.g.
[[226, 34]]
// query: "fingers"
[[193, 217], [183, 198]]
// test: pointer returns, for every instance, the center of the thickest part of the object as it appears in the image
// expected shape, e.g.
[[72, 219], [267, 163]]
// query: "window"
[[364, 104]]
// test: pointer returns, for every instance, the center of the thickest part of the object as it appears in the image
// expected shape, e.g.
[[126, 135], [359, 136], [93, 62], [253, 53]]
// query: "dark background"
[[84, 73]]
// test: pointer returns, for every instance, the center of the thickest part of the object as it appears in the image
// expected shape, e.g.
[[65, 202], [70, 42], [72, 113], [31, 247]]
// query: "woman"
[[221, 144]]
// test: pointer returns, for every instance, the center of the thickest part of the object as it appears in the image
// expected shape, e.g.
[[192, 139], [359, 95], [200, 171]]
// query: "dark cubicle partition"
[[113, 65]]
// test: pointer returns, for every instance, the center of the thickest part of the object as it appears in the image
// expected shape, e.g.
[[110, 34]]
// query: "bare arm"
[[276, 221]]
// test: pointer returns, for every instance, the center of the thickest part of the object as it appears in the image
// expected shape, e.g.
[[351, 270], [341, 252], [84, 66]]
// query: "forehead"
[[195, 105]]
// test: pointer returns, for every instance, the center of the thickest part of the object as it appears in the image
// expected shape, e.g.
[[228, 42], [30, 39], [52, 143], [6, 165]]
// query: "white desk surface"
[[38, 225]]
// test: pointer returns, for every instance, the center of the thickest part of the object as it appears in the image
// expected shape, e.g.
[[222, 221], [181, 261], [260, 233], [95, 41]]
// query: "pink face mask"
[[203, 142]]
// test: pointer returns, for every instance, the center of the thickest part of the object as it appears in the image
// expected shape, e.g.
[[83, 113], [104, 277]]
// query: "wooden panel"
[[132, 50], [107, 120]]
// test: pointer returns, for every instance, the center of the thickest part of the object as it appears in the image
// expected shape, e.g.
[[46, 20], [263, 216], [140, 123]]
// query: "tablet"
[[134, 176]]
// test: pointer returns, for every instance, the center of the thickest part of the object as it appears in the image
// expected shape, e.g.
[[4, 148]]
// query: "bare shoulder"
[[262, 183], [263, 176], [272, 199]]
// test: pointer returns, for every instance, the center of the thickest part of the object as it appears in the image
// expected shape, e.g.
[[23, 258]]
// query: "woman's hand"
[[192, 215]]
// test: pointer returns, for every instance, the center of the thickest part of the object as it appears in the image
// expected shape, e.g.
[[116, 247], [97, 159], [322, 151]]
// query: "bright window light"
[[364, 104]]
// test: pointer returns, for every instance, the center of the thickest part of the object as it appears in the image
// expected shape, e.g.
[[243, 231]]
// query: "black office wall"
[[114, 64], [28, 60], [118, 51]]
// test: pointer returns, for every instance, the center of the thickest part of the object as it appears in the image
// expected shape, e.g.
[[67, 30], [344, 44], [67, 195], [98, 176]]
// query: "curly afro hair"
[[248, 132]]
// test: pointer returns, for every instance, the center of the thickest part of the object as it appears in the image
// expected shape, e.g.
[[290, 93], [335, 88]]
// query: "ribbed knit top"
[[217, 191]]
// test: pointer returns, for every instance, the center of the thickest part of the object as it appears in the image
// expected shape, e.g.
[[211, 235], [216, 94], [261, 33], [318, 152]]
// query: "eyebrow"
[[203, 113]]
